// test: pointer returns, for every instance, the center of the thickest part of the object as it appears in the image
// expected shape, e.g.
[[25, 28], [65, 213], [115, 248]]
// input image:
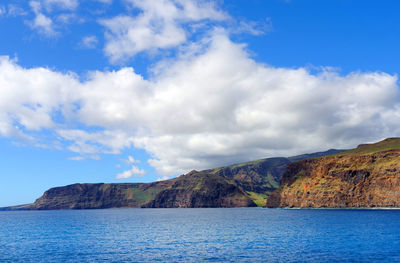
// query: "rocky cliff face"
[[91, 196], [261, 176], [368, 176], [239, 185], [196, 189], [200, 189]]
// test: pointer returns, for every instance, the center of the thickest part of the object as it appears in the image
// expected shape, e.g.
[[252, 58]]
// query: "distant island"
[[367, 176]]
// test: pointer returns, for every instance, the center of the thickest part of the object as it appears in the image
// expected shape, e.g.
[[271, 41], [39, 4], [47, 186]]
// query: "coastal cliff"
[[196, 189], [95, 196], [368, 176], [239, 185], [201, 189]]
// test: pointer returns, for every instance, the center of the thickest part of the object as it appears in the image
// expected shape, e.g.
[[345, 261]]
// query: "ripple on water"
[[200, 235]]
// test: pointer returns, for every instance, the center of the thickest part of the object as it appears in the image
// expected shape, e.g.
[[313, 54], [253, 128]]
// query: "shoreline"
[[5, 209]]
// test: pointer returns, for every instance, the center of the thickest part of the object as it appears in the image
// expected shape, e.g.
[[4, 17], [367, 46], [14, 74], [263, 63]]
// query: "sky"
[[137, 91]]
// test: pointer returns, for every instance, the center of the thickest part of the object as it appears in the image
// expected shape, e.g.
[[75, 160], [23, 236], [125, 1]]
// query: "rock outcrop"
[[368, 176]]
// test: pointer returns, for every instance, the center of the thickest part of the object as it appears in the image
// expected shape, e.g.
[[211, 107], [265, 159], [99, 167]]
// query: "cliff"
[[201, 189], [92, 196], [261, 176], [238, 185], [368, 176], [196, 189]]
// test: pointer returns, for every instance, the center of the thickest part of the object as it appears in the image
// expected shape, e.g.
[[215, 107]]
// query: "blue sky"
[[137, 91]]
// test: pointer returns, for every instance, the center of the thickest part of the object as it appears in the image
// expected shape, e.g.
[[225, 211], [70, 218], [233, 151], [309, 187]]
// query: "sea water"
[[200, 235]]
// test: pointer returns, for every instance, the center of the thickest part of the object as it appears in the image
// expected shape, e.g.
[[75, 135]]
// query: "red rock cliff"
[[368, 176]]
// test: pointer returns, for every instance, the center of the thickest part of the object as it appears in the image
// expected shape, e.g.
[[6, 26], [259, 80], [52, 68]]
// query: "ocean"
[[200, 235]]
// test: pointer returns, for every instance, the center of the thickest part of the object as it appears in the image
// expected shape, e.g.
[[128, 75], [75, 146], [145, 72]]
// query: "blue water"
[[200, 235]]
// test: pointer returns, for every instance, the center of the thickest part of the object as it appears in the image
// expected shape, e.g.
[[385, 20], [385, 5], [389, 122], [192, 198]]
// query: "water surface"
[[200, 235]]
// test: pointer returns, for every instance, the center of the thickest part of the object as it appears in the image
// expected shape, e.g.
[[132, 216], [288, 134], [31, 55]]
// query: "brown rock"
[[369, 177]]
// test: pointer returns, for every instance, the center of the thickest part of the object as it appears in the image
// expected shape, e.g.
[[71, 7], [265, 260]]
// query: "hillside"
[[201, 189], [368, 176], [92, 196], [238, 185], [254, 181]]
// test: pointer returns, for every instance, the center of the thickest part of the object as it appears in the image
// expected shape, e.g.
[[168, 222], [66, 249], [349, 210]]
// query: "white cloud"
[[89, 41], [82, 158], [77, 158], [163, 178], [69, 18], [158, 26], [134, 171], [29, 97], [60, 4], [108, 141], [41, 22], [213, 105], [48, 17], [44, 24], [15, 10], [132, 160], [255, 28]]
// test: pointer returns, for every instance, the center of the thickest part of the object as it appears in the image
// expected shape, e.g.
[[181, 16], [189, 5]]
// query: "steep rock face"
[[368, 176], [200, 189], [90, 196], [260, 176], [239, 185]]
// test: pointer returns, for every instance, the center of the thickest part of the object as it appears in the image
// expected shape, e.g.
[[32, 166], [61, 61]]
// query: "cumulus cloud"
[[213, 105], [158, 26], [41, 22], [89, 41], [88, 143], [134, 171], [45, 22], [30, 97]]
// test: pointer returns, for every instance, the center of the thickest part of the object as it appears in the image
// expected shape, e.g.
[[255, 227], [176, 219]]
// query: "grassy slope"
[[258, 198], [138, 192], [385, 145], [142, 196]]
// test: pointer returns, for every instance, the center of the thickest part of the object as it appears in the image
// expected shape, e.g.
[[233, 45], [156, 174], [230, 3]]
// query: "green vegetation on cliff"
[[202, 189], [385, 145], [85, 196], [238, 185]]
